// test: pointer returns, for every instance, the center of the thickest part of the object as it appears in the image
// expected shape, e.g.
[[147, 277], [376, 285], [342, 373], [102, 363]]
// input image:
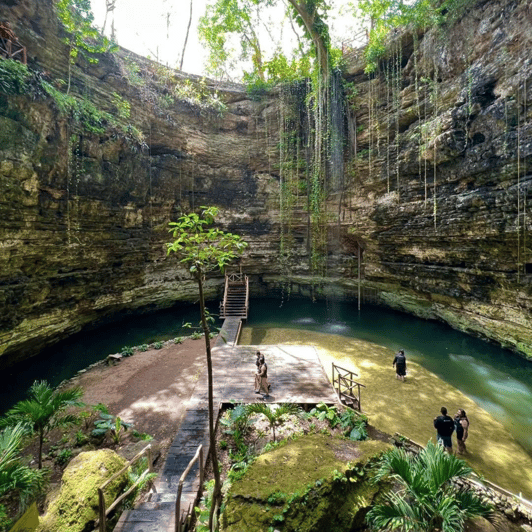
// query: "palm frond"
[[396, 515]]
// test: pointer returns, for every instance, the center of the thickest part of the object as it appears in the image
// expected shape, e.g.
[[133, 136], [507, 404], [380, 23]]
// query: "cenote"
[[496, 379]]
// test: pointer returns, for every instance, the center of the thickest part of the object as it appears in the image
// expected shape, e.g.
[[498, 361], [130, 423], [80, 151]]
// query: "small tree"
[[204, 250], [274, 415], [42, 411]]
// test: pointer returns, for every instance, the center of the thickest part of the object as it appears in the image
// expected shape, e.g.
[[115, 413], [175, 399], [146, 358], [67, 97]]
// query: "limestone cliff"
[[435, 188]]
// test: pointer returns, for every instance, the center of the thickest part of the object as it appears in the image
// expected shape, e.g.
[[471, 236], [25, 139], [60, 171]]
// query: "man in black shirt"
[[400, 365], [444, 425]]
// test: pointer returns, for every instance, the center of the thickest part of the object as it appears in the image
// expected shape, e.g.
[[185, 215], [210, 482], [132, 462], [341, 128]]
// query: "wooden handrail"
[[347, 382], [101, 522], [247, 296], [197, 456], [225, 294]]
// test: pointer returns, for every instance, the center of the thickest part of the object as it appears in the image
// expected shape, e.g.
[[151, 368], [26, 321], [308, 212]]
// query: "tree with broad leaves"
[[44, 410], [205, 249]]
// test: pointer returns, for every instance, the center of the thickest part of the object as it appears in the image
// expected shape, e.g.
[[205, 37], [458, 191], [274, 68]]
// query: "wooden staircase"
[[236, 296]]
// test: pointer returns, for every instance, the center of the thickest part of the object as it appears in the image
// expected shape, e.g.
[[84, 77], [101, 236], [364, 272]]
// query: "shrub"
[[126, 351], [64, 456], [158, 345]]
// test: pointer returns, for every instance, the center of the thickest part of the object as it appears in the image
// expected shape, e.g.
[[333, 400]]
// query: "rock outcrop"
[[76, 505], [436, 187], [291, 487]]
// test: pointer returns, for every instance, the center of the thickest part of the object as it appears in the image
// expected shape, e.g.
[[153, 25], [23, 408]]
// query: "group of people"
[[445, 425], [261, 377]]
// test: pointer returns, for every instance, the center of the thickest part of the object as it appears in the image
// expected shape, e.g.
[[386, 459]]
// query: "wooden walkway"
[[296, 376]]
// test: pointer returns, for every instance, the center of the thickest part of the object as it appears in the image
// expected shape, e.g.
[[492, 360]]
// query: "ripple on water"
[[336, 328], [304, 321]]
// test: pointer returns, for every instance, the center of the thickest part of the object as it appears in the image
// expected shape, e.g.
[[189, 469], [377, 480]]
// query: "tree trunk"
[[186, 37], [322, 51], [41, 441], [217, 492]]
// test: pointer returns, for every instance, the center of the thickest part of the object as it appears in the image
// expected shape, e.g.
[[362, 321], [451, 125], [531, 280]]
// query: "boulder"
[[75, 509]]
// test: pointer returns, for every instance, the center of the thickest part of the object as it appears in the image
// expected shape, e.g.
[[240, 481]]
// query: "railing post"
[[101, 500], [178, 509], [201, 466], [150, 464]]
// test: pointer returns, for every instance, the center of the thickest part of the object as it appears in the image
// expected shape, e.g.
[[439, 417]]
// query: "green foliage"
[[100, 407], [77, 19], [139, 471], [64, 456], [44, 408], [158, 345], [387, 15], [178, 339], [126, 351], [201, 248], [142, 436], [196, 335], [14, 77], [428, 499], [274, 415], [226, 18], [352, 424], [15, 477], [123, 107], [199, 94], [81, 111], [80, 438], [108, 424], [142, 347]]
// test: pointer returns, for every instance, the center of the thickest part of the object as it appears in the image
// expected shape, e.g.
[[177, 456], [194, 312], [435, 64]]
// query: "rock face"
[[291, 488], [76, 505], [435, 189]]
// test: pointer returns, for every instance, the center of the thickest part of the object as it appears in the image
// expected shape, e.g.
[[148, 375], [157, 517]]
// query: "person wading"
[[444, 426], [400, 365], [461, 426]]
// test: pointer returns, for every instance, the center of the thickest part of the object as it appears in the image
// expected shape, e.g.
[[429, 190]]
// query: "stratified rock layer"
[[436, 185]]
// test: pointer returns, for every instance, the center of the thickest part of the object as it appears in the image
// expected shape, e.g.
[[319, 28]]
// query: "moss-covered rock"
[[76, 506], [313, 483]]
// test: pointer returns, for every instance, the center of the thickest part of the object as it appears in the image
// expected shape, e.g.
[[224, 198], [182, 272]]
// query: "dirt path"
[[150, 389]]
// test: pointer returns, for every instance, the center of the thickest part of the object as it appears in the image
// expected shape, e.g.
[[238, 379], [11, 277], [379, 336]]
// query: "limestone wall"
[[83, 216]]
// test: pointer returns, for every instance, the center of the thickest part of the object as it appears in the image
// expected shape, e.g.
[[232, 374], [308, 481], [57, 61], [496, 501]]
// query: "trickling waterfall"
[[336, 132]]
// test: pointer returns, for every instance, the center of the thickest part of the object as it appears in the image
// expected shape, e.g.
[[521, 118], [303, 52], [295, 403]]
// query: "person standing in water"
[[400, 365], [444, 426], [461, 426]]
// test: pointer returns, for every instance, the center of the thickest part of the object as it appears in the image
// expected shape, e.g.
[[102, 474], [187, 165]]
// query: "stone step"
[[146, 521]]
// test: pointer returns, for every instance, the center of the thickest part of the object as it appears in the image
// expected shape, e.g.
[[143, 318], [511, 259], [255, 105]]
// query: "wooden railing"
[[180, 521], [102, 508], [344, 384], [247, 296], [12, 50]]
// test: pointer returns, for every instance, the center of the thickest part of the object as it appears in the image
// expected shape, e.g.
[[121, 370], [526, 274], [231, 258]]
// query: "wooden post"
[[201, 473], [150, 464], [101, 500]]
